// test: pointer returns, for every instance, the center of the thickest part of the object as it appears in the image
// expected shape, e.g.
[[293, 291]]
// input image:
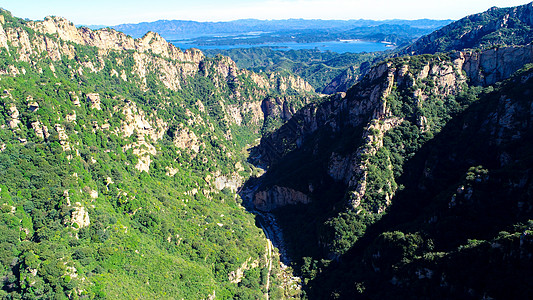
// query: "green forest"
[[130, 169], [99, 196]]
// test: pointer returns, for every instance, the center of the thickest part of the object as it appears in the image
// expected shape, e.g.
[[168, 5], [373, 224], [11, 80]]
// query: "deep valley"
[[132, 169]]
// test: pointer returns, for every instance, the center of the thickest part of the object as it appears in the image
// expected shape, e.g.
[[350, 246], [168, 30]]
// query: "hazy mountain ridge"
[[176, 29]]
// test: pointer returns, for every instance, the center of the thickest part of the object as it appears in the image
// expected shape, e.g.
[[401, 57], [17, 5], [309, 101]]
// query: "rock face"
[[80, 217], [278, 106], [470, 171], [228, 182], [367, 100], [173, 65], [109, 39], [493, 65], [347, 79], [94, 99], [279, 196], [367, 106], [343, 82]]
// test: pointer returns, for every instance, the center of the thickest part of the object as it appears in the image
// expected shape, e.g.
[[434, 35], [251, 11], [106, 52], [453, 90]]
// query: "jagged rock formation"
[[279, 196], [346, 154], [417, 175], [367, 100], [149, 56], [347, 78], [493, 65], [342, 82]]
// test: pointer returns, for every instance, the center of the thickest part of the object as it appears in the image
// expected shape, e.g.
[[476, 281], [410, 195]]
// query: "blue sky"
[[113, 12]]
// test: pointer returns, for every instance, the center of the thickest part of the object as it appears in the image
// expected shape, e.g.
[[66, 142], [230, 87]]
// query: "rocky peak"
[[110, 39]]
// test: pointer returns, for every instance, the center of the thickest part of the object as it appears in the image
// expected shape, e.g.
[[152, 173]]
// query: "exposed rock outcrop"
[[367, 105], [185, 139], [110, 39], [277, 196], [367, 100], [94, 99], [237, 275], [228, 182], [14, 114], [80, 217], [493, 65]]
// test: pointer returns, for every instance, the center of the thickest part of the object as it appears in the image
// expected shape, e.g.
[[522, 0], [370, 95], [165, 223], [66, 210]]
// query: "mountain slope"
[[119, 161], [317, 67], [461, 227], [495, 27], [334, 168]]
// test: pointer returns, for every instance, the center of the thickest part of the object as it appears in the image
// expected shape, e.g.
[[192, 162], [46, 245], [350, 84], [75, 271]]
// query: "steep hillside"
[[120, 160], [461, 227], [347, 78], [495, 27], [334, 167]]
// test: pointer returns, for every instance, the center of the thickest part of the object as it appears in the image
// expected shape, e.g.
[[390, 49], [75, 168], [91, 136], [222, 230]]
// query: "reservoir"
[[351, 46]]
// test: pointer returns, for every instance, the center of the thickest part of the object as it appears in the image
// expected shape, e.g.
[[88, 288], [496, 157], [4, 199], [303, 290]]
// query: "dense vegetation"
[[437, 203], [98, 198], [461, 226], [494, 27]]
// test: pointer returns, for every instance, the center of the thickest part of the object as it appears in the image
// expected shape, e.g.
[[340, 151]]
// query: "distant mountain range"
[[178, 29]]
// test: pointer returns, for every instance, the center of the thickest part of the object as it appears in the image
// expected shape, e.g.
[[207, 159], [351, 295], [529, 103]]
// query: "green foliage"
[[146, 234], [490, 29]]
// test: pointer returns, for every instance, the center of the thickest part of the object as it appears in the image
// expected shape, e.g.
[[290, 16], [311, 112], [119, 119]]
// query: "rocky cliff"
[[464, 208], [367, 100], [151, 52], [149, 61], [347, 153]]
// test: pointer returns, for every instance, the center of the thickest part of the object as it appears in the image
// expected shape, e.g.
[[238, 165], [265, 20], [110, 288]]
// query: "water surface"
[[352, 46]]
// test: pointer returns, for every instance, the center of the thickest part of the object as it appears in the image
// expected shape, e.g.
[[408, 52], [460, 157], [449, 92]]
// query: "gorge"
[[131, 168]]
